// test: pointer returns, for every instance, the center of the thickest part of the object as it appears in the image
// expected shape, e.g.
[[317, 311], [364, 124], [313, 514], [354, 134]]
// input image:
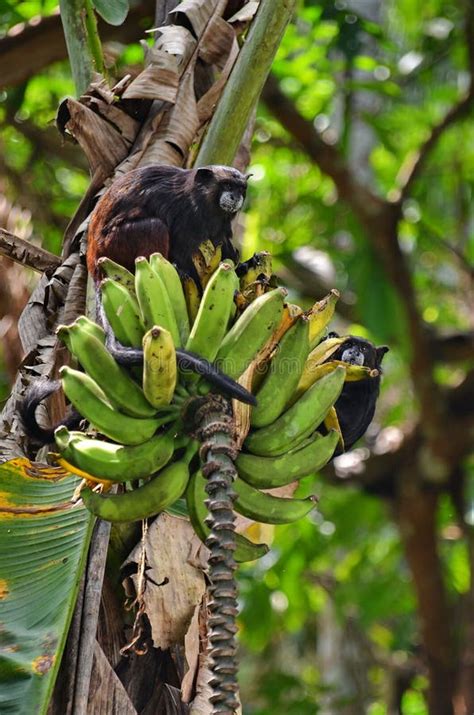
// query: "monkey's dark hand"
[[355, 406]]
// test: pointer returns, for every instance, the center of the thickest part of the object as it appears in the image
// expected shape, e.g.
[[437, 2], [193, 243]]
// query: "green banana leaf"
[[43, 545]]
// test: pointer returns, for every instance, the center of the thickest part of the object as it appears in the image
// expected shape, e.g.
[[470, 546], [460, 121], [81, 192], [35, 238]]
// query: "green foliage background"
[[383, 79]]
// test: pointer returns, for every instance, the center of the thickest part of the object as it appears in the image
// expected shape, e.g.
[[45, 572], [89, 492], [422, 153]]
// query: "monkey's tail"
[[187, 361], [38, 391], [224, 384]]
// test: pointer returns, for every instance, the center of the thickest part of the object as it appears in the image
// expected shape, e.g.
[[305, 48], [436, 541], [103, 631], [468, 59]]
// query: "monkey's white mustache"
[[353, 355], [229, 202]]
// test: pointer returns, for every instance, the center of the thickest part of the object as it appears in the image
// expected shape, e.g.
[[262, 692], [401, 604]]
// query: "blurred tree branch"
[[414, 164], [31, 46], [26, 253]]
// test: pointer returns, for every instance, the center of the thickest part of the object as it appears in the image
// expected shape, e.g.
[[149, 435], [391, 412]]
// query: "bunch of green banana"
[[237, 319]]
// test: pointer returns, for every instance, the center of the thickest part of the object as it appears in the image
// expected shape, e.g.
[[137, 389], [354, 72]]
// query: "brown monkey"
[[166, 209]]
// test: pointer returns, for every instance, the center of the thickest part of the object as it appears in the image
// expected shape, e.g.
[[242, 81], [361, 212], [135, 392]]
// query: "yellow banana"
[[159, 367], [320, 315], [193, 297]]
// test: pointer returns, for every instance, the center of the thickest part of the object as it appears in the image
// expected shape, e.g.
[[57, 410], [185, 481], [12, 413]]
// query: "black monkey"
[[355, 406]]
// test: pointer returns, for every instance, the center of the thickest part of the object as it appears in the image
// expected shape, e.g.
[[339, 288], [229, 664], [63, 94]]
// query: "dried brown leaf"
[[174, 586], [197, 12], [123, 122], [201, 704], [159, 80], [216, 42], [191, 652], [161, 152], [246, 13], [208, 101], [103, 145], [106, 688], [181, 123], [178, 41]]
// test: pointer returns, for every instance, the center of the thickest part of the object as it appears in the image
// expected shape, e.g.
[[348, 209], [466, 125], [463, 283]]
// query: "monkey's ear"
[[204, 175], [380, 352]]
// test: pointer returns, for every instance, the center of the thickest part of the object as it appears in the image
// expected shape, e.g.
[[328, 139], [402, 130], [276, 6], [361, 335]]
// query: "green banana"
[[214, 313], [91, 402], [99, 364], [269, 472], [245, 550], [153, 299], [117, 273], [267, 508], [152, 498], [159, 366], [300, 420], [93, 328], [320, 315], [122, 312], [283, 375], [172, 282], [251, 331], [114, 462]]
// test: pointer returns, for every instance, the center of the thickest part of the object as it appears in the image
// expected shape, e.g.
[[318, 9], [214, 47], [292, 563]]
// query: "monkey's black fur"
[[38, 391], [166, 209], [355, 406]]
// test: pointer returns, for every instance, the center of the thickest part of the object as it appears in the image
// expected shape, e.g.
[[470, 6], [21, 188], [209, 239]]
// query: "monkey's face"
[[228, 186], [232, 197], [357, 351]]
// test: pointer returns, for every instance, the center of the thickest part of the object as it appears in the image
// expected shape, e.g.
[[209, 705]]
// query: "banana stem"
[[215, 431]]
